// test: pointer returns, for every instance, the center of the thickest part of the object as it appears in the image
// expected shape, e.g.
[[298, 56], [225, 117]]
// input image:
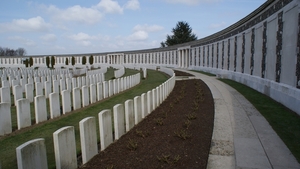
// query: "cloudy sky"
[[46, 27]]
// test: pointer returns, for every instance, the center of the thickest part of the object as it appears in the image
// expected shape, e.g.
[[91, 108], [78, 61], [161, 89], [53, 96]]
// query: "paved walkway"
[[242, 138]]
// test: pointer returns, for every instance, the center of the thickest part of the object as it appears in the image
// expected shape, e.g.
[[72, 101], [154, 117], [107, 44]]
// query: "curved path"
[[242, 138]]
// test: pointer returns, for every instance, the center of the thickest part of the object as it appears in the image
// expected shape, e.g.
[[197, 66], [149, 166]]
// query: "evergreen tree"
[[67, 61], [47, 61], [181, 33], [91, 60], [52, 61], [83, 60], [73, 60], [30, 61]]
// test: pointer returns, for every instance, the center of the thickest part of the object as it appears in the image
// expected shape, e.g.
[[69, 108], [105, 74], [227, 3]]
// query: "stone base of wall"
[[282, 93]]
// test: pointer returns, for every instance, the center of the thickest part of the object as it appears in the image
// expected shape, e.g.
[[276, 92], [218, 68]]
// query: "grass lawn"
[[45, 130], [285, 122]]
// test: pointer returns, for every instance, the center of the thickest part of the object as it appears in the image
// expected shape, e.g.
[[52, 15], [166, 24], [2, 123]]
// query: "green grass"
[[202, 72], [9, 143], [285, 122]]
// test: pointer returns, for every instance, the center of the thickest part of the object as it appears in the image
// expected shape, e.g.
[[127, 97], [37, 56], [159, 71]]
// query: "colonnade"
[[261, 51]]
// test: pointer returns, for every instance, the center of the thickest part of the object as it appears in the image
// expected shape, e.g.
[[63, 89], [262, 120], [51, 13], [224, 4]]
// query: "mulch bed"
[[177, 134], [180, 73]]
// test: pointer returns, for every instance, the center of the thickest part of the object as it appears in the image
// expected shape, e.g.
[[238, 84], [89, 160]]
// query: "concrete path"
[[242, 138]]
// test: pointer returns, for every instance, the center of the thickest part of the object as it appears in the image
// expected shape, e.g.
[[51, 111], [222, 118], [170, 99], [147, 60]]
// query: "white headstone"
[[18, 94], [54, 105], [149, 102], [40, 108], [105, 89], [88, 138], [76, 99], [5, 119], [69, 84], [137, 109], [39, 89], [105, 128], [47, 88], [85, 96], [153, 99], [65, 148], [144, 105], [32, 154], [55, 86], [5, 95], [119, 120], [99, 91], [93, 94], [66, 101], [23, 113], [29, 92], [129, 114], [110, 88], [74, 85]]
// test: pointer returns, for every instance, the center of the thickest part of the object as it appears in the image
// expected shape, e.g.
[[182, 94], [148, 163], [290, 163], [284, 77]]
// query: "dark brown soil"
[[176, 135], [180, 73]]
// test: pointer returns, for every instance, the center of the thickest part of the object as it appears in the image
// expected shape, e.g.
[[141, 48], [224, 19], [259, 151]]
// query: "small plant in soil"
[[132, 145], [168, 159], [176, 158], [187, 124], [196, 105], [159, 121], [110, 167], [141, 133], [164, 158], [165, 115], [191, 116], [183, 134]]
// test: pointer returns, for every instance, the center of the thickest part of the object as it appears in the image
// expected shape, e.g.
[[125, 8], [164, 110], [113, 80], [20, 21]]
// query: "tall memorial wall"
[[261, 51]]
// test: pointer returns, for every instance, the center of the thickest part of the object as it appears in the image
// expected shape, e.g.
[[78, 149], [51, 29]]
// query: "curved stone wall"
[[261, 51]]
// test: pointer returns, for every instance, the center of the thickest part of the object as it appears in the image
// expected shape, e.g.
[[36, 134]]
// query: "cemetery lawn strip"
[[177, 134], [45, 130], [285, 122]]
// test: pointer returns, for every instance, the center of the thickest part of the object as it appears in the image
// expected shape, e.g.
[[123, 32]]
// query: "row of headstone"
[[120, 72], [29, 72], [47, 85], [103, 70], [81, 97], [125, 116]]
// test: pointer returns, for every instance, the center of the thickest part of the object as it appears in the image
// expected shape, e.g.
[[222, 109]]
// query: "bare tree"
[[2, 52], [20, 52], [11, 52]]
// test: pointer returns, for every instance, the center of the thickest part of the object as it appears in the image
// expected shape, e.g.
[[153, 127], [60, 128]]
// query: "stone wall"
[[261, 51]]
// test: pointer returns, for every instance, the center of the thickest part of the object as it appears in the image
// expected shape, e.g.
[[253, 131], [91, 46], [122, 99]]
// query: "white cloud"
[[148, 28], [133, 5], [85, 43], [218, 25], [110, 6], [22, 40], [49, 37], [82, 37], [138, 36], [36, 24], [192, 2], [76, 13]]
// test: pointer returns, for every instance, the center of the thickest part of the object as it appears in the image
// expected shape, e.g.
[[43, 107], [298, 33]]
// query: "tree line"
[[4, 51]]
